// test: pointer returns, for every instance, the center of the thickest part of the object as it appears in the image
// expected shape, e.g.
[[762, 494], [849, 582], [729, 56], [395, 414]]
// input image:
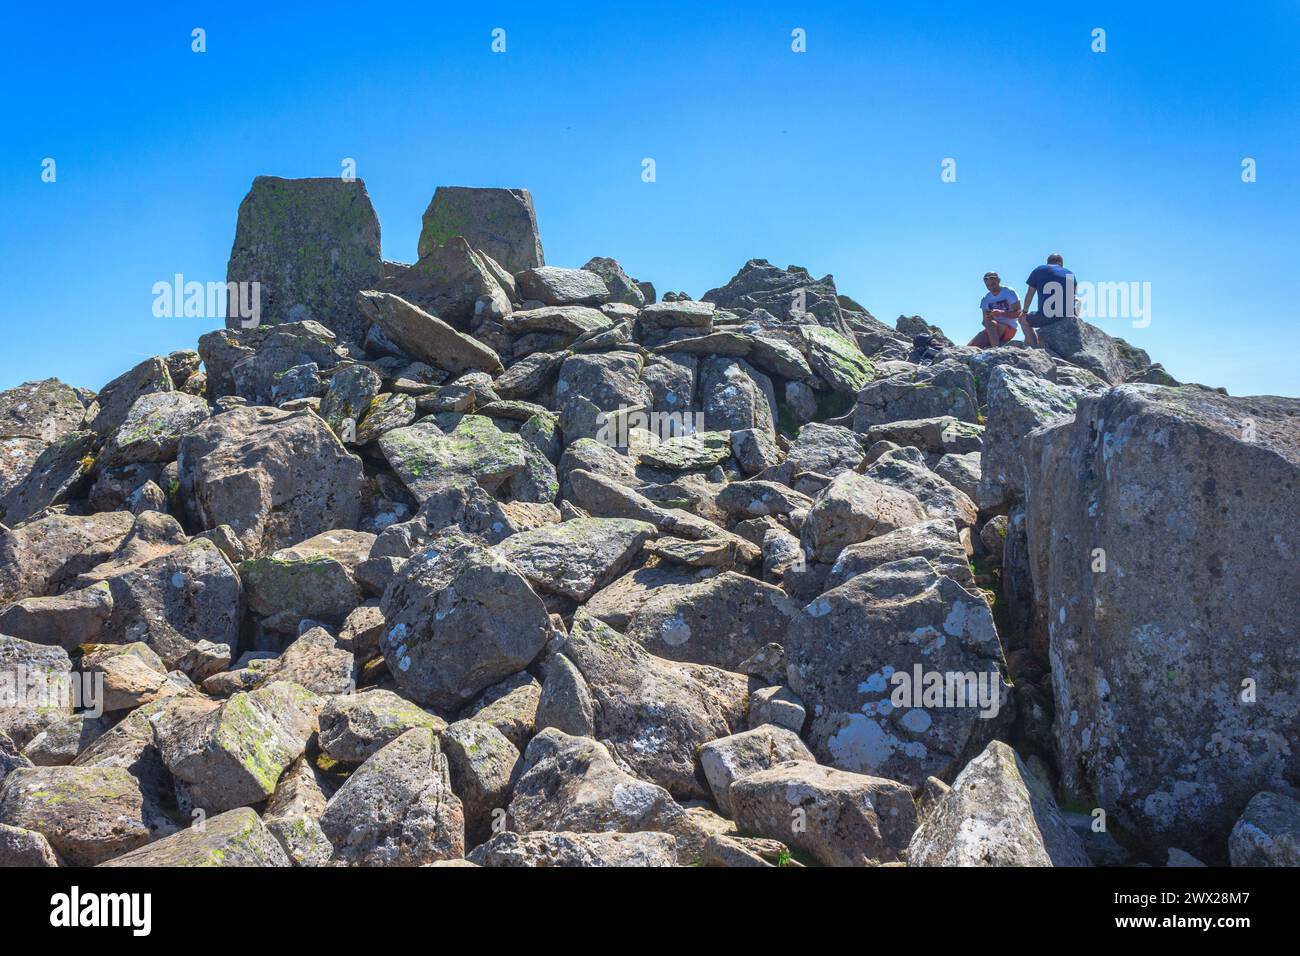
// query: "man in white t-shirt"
[[1001, 310]]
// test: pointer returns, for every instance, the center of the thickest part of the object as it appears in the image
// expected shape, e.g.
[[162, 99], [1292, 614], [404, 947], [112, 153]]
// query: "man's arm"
[[1029, 298]]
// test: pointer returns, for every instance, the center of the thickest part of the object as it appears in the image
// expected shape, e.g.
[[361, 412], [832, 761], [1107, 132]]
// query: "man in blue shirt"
[[1054, 286]]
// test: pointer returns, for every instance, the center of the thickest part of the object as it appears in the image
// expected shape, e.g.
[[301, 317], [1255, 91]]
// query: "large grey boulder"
[[275, 477], [997, 813], [1175, 668], [719, 621], [88, 814], [169, 593], [397, 808], [729, 759], [839, 818], [1083, 344], [483, 765], [855, 508], [354, 727], [501, 222], [460, 618], [1268, 832], [153, 428], [311, 244], [57, 475], [233, 756], [905, 469], [573, 783], [946, 388], [551, 285], [901, 669], [38, 685], [655, 714], [43, 411], [936, 540], [1018, 402]]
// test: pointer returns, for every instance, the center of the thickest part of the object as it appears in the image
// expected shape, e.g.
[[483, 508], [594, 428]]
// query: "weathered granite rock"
[[996, 814], [944, 389], [855, 508], [574, 784], [501, 222], [354, 727], [729, 759], [234, 838], [1173, 669], [839, 818], [233, 756], [937, 541], [1268, 832], [576, 558], [1018, 402], [482, 765], [88, 814], [397, 808], [901, 669], [274, 477], [654, 714], [459, 619], [311, 245], [719, 621]]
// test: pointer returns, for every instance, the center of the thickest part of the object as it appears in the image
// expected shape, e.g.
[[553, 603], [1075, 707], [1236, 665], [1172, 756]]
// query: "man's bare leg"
[[1031, 336]]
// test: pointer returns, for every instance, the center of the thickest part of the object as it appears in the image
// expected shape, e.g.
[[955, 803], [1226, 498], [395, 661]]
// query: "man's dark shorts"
[[1038, 320]]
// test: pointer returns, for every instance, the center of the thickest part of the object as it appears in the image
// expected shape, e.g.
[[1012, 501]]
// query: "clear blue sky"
[[1129, 162]]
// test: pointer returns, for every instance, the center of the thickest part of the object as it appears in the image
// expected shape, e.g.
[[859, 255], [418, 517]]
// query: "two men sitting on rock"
[[1054, 286]]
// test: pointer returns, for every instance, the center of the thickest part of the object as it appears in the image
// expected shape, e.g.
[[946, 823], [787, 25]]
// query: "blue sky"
[[1128, 161]]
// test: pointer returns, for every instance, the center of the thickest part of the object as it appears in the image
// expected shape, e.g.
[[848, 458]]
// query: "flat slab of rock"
[[552, 285], [578, 557], [426, 337]]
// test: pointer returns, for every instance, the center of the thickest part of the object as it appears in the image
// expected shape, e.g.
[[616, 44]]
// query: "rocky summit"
[[485, 561]]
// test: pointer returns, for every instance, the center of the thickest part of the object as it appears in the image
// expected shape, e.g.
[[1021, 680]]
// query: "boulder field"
[[479, 560]]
